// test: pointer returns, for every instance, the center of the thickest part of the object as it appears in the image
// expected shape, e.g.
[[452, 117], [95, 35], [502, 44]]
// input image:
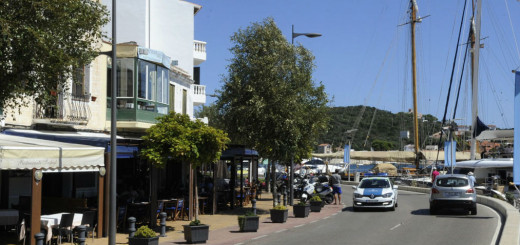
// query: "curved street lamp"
[[311, 35]]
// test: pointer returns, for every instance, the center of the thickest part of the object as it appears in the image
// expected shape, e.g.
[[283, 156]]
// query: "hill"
[[385, 130]]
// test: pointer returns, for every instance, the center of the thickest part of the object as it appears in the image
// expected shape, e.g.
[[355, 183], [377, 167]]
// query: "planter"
[[196, 233], [316, 206], [248, 223], [301, 211], [143, 241], [279, 216]]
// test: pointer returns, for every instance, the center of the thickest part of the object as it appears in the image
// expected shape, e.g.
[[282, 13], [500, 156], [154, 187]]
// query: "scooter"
[[323, 190]]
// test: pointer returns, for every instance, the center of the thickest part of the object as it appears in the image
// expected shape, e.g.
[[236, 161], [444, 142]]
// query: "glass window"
[[151, 83], [125, 77], [141, 87], [159, 87]]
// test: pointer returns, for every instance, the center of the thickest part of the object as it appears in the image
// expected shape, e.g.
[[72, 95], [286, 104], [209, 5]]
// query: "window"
[[125, 77], [81, 81], [172, 97], [184, 101]]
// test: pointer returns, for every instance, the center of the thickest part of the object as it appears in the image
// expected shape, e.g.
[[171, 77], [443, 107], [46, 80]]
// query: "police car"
[[375, 192]]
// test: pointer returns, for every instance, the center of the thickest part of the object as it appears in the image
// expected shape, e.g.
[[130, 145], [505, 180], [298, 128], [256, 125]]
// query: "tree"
[[175, 136], [268, 100], [42, 42]]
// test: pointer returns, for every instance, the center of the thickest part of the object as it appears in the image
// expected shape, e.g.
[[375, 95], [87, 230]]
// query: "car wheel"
[[392, 208], [473, 211], [433, 209]]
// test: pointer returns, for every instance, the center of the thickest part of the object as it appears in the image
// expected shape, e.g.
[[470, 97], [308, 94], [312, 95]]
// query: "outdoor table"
[[8, 217], [52, 220]]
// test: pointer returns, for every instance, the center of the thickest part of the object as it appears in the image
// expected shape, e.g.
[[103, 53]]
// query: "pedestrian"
[[435, 173], [472, 179], [335, 182]]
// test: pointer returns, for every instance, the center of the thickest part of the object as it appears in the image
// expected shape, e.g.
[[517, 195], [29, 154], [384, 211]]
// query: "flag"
[[450, 150], [346, 154], [516, 157]]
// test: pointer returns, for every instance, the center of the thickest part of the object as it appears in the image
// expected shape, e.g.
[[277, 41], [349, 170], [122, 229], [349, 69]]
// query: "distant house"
[[324, 148], [409, 147], [432, 147]]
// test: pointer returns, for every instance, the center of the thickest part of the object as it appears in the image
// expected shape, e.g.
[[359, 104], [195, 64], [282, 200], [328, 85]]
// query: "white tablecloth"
[[53, 220], [8, 217]]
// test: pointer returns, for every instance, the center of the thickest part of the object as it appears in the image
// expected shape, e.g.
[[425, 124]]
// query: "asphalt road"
[[411, 223]]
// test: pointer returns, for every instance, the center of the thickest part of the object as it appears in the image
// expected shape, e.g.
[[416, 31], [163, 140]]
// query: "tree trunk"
[[196, 207], [267, 176], [273, 178]]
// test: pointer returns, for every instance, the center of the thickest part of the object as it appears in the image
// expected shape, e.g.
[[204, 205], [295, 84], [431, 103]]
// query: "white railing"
[[199, 94], [199, 52], [68, 109], [199, 46]]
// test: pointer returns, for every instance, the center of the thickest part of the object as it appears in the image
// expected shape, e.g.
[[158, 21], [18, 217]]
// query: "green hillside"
[[385, 131]]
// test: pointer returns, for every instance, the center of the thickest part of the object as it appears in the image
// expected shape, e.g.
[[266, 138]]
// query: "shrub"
[[315, 199], [247, 214], [280, 207], [144, 232], [195, 223], [301, 203]]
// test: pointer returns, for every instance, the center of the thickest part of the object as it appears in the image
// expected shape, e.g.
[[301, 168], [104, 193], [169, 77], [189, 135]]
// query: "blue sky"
[[363, 57]]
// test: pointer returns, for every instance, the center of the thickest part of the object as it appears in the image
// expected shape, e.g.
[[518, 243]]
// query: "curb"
[[510, 233]]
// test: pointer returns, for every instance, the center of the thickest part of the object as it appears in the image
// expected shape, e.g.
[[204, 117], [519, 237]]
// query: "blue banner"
[[516, 157], [450, 151], [346, 154]]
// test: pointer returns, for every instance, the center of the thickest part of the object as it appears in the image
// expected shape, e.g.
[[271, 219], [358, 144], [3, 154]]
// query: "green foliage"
[[280, 207], [144, 232], [315, 199], [268, 100], [510, 198], [385, 130], [41, 44], [247, 214], [301, 203], [195, 223], [176, 136]]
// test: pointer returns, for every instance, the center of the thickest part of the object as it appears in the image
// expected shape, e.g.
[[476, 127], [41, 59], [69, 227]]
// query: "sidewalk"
[[224, 226]]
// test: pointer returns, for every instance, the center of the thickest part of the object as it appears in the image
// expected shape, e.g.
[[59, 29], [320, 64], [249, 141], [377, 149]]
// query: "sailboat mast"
[[475, 47], [413, 20]]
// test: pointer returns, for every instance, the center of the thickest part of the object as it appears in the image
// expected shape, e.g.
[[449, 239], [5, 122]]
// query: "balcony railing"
[[199, 52], [199, 94], [68, 109]]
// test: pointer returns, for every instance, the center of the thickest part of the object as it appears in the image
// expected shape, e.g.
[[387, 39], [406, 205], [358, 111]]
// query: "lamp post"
[[291, 175], [311, 35]]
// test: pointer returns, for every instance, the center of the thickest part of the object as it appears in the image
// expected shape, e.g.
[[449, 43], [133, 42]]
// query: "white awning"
[[18, 152]]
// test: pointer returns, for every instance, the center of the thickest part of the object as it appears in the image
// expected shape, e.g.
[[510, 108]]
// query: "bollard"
[[163, 224], [81, 236], [131, 227], [39, 238], [254, 206]]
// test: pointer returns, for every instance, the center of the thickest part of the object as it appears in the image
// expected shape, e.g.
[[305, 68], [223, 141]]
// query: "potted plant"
[[144, 236], [315, 202], [196, 232], [301, 210], [279, 214], [248, 222]]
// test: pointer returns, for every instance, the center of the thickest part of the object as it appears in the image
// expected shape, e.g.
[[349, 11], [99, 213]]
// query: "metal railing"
[[68, 109]]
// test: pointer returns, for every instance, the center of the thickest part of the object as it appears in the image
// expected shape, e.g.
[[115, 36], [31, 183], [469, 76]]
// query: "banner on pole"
[[346, 154], [516, 147], [450, 149]]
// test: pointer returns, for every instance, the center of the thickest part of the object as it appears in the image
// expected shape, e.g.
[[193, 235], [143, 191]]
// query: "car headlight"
[[357, 195], [389, 194]]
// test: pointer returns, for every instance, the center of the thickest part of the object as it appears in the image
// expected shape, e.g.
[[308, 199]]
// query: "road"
[[411, 223]]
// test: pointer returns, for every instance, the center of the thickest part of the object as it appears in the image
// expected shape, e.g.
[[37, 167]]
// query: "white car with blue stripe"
[[375, 192]]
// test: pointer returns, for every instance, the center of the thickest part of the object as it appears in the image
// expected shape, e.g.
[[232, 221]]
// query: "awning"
[[27, 153], [393, 156]]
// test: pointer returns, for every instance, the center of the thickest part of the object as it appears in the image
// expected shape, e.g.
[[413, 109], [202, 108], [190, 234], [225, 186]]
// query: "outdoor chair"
[[64, 228], [88, 221], [170, 208]]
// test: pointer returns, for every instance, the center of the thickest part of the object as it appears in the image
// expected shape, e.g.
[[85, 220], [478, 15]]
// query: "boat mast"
[[475, 48], [413, 20]]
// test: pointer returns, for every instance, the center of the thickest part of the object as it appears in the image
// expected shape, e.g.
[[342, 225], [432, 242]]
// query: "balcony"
[[68, 109], [199, 52], [199, 94]]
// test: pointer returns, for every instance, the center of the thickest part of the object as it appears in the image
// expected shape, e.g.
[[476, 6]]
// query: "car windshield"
[[374, 183], [452, 182]]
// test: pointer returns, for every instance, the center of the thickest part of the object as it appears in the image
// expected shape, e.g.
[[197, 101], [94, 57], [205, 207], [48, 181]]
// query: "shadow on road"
[[449, 213]]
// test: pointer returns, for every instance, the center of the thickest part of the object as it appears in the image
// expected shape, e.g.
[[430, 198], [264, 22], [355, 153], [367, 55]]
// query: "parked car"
[[375, 192], [453, 191]]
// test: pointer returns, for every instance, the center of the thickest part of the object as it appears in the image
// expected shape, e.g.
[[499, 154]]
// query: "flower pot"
[[196, 233], [94, 98], [301, 211], [315, 206], [248, 223], [143, 241], [279, 216]]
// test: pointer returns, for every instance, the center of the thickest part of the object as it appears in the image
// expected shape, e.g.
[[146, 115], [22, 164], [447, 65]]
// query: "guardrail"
[[510, 233]]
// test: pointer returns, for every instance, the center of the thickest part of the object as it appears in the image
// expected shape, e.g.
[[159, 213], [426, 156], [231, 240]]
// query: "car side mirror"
[[396, 187], [354, 187]]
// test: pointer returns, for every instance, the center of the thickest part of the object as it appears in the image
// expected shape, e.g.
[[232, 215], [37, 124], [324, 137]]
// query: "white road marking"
[[299, 225], [336, 213], [499, 225], [239, 243], [258, 237], [313, 221], [326, 217], [280, 231], [395, 227]]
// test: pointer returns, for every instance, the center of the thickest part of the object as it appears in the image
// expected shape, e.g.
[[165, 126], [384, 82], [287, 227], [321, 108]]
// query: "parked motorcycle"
[[312, 188]]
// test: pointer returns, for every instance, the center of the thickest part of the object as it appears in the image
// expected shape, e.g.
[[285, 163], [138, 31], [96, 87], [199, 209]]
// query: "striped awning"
[[18, 152]]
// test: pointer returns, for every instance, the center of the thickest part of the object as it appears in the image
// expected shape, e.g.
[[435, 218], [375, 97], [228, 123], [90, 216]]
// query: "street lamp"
[[291, 175], [311, 35]]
